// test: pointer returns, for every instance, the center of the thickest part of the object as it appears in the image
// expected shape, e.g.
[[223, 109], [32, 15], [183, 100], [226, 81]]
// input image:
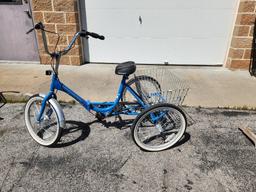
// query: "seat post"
[[125, 77]]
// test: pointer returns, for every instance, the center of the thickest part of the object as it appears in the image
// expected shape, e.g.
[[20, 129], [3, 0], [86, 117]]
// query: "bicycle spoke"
[[159, 127]]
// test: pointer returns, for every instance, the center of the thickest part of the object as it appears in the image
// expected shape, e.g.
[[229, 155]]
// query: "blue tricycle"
[[157, 126]]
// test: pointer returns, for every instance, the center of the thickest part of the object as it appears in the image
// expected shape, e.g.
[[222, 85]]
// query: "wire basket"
[[159, 85]]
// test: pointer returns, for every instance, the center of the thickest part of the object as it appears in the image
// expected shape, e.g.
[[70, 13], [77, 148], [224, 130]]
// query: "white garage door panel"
[[173, 51], [159, 24], [189, 51], [161, 4], [178, 32], [111, 26]]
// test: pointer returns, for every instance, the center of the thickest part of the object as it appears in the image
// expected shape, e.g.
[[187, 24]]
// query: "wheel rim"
[[163, 133], [46, 131], [148, 89]]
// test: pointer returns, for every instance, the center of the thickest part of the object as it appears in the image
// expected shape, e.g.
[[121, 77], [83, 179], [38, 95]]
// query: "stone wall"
[[241, 45], [59, 16]]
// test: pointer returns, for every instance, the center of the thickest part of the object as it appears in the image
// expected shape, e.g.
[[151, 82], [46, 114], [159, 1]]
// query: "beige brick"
[[50, 27], [72, 17], [78, 41], [39, 37], [44, 59], [38, 16], [51, 48], [68, 29], [75, 51], [40, 44], [240, 64], [247, 6], [252, 31], [41, 5], [241, 42], [53, 38], [246, 19], [53, 17], [228, 63], [76, 60], [41, 48], [65, 60], [65, 5], [247, 54], [241, 30], [236, 53]]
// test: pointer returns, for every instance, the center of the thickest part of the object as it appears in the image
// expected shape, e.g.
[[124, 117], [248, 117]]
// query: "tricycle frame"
[[105, 108]]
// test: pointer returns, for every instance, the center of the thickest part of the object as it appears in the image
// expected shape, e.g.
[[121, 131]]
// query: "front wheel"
[[47, 131], [159, 127]]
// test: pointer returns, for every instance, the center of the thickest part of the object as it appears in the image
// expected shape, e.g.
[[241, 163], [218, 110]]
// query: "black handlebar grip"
[[30, 31], [101, 37], [95, 35]]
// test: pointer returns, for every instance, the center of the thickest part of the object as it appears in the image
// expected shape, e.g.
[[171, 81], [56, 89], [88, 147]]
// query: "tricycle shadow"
[[121, 124], [185, 138], [77, 131], [74, 132]]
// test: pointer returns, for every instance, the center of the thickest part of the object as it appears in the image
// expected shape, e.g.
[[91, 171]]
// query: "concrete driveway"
[[213, 156]]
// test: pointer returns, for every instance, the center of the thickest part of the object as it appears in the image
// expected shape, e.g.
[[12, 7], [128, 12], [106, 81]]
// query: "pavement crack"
[[123, 164], [165, 181]]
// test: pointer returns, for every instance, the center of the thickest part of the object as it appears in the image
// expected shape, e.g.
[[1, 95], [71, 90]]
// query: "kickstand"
[[119, 118]]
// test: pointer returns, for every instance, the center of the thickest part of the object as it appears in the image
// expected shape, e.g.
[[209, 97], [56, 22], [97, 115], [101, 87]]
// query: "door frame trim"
[[83, 26]]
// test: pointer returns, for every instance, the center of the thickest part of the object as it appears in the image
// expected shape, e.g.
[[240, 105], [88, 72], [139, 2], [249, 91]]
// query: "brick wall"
[[60, 16], [241, 45]]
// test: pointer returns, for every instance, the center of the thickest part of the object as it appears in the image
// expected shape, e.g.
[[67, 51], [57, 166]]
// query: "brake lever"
[[30, 30], [37, 26]]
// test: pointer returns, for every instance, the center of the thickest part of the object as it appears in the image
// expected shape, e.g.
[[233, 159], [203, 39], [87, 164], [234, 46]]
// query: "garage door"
[[158, 32]]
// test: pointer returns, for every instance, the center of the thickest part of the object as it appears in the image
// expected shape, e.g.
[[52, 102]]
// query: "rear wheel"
[[47, 131], [147, 87], [159, 127]]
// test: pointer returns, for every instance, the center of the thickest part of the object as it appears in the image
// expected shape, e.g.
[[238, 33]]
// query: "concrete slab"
[[210, 86]]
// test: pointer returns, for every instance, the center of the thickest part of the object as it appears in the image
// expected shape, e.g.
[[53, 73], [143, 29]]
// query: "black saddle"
[[125, 68]]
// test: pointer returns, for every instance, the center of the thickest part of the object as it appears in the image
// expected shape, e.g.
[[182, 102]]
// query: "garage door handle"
[[28, 14], [140, 19]]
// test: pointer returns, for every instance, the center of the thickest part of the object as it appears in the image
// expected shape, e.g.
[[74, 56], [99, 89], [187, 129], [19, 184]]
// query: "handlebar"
[[94, 35], [83, 33], [57, 55]]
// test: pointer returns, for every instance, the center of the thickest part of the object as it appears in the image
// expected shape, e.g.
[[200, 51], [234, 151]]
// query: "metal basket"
[[157, 85]]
